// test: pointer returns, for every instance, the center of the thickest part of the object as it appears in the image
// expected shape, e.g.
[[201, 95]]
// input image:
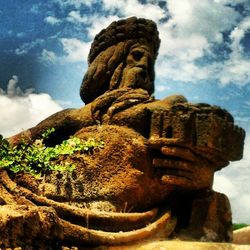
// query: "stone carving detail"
[[121, 55], [154, 176]]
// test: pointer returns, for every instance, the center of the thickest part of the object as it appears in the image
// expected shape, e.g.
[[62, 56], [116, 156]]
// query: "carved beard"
[[135, 77]]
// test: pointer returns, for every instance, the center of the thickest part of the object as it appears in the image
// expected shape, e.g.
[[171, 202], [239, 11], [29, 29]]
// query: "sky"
[[204, 55]]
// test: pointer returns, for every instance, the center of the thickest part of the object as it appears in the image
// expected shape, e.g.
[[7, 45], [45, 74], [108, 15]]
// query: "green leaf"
[[35, 158], [47, 133]]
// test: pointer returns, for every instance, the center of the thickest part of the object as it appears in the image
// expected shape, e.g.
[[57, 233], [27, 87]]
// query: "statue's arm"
[[117, 100], [65, 123]]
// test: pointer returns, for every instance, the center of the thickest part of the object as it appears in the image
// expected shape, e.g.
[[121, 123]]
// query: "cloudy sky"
[[204, 54]]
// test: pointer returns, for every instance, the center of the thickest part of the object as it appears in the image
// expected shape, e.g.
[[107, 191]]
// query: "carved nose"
[[143, 63]]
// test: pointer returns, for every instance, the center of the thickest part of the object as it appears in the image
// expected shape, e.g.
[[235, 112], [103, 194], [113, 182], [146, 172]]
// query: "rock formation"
[[154, 176]]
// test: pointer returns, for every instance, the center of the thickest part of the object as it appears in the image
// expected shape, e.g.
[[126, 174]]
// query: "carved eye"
[[137, 55]]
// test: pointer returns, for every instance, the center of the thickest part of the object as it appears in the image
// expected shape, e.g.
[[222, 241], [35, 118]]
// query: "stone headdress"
[[109, 51]]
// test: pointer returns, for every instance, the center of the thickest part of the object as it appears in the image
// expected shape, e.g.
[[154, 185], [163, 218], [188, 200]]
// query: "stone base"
[[158, 245], [179, 245], [242, 236]]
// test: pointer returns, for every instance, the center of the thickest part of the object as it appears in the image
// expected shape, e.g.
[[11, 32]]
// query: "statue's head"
[[122, 56]]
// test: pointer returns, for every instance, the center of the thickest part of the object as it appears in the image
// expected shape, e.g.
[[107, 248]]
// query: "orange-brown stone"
[[154, 176]]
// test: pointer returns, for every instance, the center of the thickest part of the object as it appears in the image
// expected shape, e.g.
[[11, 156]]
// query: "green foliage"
[[47, 133], [36, 158], [239, 226]]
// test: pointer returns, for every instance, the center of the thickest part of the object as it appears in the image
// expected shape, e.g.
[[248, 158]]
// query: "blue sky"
[[204, 55]]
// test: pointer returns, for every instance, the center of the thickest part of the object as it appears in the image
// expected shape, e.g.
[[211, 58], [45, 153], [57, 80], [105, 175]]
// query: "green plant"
[[36, 158], [239, 226]]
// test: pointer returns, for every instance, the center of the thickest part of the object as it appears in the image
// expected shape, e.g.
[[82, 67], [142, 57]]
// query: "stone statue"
[[154, 176]]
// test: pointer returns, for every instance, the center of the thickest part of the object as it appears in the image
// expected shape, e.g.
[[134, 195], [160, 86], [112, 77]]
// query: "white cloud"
[[232, 2], [113, 5], [48, 57], [75, 3], [235, 71], [35, 8], [161, 88], [201, 17], [100, 22], [21, 34], [26, 47], [191, 33], [237, 34], [14, 90], [11, 88], [76, 50], [134, 8], [75, 17], [224, 184], [236, 68], [22, 109], [52, 20]]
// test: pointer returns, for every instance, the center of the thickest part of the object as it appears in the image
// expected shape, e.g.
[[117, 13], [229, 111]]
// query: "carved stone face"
[[139, 68]]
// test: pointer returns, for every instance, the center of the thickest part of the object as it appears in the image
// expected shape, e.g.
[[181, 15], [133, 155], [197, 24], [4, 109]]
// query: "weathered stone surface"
[[162, 245], [180, 245], [107, 67], [75, 225], [242, 236], [109, 175], [29, 226], [153, 178]]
